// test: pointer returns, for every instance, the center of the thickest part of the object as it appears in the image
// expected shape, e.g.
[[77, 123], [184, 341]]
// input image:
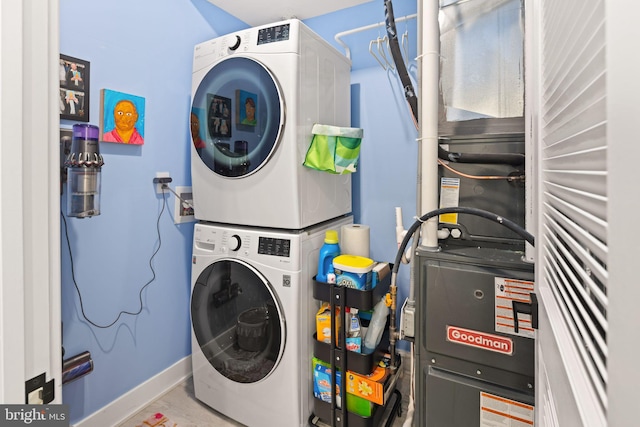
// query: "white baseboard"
[[134, 400]]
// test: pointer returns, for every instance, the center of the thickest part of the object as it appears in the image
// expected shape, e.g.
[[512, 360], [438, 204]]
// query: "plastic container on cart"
[[329, 250], [353, 271], [379, 323]]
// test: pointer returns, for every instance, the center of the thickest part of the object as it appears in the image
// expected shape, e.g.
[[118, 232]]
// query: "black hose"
[[472, 211], [396, 54], [513, 159]]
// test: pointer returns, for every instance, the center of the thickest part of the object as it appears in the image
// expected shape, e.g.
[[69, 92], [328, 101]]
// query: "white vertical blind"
[[573, 129]]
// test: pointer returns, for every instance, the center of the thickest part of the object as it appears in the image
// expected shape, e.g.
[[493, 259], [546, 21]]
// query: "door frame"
[[30, 300]]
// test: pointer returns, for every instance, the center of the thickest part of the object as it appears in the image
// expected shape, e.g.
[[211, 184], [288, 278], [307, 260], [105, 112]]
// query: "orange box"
[[370, 387], [323, 323]]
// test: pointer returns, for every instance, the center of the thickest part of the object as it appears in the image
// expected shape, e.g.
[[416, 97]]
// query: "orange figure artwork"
[[198, 143], [122, 118]]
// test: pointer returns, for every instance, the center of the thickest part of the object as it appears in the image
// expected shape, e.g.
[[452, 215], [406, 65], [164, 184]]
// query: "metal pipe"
[[429, 66], [338, 36]]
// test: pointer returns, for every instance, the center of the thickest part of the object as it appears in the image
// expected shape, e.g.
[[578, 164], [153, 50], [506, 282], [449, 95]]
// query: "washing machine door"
[[237, 321], [238, 111]]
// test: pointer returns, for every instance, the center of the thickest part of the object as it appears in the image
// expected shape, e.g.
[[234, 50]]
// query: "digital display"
[[275, 247], [273, 34]]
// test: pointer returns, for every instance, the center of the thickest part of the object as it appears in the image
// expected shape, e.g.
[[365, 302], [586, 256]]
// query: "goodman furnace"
[[475, 367]]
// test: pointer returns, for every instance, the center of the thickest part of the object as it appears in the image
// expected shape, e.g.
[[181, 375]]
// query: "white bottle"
[[376, 326]]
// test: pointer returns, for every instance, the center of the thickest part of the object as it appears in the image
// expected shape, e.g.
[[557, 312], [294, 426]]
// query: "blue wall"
[[151, 57]]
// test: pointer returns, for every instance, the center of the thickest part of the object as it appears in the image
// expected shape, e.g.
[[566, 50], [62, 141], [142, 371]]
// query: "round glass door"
[[237, 321], [236, 117]]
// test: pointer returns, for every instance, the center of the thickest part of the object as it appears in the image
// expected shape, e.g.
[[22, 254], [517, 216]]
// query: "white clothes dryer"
[[253, 318], [256, 95]]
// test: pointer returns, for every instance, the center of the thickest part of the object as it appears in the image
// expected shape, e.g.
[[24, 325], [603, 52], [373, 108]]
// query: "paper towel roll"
[[355, 240]]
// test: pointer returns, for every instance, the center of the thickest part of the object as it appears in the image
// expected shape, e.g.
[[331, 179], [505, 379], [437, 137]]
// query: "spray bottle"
[[352, 330], [377, 325]]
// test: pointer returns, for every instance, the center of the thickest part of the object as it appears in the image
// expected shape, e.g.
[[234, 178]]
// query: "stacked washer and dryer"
[[262, 216]]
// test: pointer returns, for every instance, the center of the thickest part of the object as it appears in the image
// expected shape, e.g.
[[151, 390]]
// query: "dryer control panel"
[[273, 34], [279, 38]]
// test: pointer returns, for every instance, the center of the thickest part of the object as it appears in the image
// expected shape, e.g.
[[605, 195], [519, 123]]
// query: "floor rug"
[[157, 420]]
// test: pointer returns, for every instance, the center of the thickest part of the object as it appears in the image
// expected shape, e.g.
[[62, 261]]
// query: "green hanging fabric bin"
[[334, 149]]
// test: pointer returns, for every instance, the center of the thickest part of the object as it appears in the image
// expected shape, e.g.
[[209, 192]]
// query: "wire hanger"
[[379, 49], [383, 48], [405, 48], [371, 51]]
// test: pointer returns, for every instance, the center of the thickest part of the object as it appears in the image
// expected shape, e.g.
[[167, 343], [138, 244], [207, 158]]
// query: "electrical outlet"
[[159, 185], [183, 207]]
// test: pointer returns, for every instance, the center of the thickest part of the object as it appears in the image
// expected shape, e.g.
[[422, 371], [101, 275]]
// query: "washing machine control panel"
[[274, 246], [267, 249]]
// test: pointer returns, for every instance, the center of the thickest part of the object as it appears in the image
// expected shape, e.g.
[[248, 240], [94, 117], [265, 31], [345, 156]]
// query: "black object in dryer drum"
[[252, 329]]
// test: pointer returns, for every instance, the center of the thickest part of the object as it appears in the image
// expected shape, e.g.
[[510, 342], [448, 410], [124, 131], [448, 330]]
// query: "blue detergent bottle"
[[329, 250]]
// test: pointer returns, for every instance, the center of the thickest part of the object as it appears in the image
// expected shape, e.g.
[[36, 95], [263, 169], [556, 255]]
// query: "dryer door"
[[237, 321], [237, 117]]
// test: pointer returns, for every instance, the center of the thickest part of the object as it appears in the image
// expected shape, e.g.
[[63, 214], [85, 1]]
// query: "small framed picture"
[[74, 89], [246, 104], [219, 116]]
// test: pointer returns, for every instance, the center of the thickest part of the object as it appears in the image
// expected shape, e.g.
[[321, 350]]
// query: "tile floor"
[[181, 407]]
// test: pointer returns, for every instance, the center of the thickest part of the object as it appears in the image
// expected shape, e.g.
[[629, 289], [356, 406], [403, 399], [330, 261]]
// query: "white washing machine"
[[256, 95], [253, 318]]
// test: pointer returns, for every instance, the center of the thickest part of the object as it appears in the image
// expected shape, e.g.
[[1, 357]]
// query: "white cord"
[[186, 202]]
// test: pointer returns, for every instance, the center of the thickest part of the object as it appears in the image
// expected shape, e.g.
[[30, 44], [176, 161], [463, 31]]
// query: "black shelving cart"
[[338, 357]]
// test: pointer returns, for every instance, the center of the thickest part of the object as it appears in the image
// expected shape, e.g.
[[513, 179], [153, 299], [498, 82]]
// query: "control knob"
[[233, 42], [235, 243]]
